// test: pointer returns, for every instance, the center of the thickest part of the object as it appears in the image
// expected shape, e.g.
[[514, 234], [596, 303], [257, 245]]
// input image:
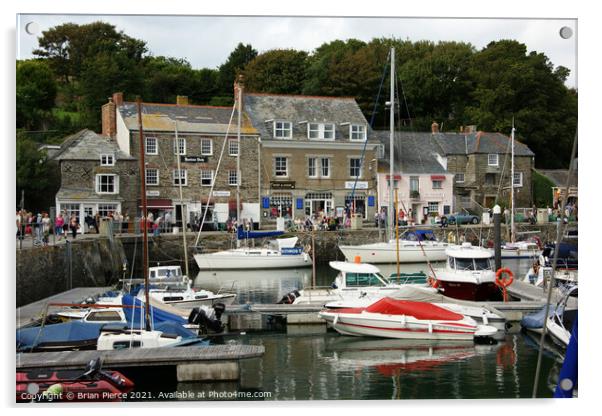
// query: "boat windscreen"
[[482, 264], [464, 264]]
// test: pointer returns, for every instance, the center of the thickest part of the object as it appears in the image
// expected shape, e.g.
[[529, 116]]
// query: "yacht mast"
[[183, 214], [239, 100], [391, 143], [512, 186]]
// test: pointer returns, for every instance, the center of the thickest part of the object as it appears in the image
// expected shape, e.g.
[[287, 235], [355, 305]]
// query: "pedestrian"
[[58, 226], [18, 223], [156, 225], [73, 226], [46, 225], [65, 225]]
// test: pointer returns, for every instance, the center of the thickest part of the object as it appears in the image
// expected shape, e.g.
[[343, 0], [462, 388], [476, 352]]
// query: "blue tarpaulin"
[[567, 380], [67, 332], [242, 234]]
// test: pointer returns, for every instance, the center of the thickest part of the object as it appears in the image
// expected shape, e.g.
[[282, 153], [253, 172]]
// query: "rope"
[[559, 234], [219, 162]]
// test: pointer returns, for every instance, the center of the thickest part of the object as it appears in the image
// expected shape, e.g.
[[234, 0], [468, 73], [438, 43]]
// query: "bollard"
[[497, 236]]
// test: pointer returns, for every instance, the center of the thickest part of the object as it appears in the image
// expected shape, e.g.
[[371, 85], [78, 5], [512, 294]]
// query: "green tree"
[[36, 176], [36, 93], [237, 60], [279, 71]]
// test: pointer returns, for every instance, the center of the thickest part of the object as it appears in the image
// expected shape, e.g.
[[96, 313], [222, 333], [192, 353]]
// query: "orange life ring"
[[504, 278]]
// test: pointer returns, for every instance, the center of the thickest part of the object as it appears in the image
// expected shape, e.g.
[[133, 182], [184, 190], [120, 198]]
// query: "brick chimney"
[[434, 127], [182, 100], [118, 98], [109, 118]]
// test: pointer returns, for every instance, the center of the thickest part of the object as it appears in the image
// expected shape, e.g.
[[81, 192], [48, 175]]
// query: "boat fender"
[[434, 283]]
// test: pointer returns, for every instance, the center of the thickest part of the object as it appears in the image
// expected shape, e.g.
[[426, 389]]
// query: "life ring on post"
[[504, 278]]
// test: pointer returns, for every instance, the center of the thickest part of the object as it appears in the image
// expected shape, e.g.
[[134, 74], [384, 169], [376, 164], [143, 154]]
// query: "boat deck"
[[28, 313], [528, 292]]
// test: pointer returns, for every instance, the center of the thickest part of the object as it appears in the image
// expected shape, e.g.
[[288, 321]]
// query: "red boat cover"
[[419, 310]]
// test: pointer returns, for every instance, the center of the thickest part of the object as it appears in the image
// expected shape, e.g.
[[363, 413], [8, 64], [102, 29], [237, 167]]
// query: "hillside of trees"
[[78, 66]]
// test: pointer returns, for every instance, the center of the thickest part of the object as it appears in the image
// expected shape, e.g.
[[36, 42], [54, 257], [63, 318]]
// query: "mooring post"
[[497, 211]]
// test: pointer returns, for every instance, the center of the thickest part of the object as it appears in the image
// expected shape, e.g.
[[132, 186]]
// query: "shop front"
[[319, 203]]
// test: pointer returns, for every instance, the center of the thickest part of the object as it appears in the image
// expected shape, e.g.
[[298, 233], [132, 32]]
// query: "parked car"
[[463, 218]]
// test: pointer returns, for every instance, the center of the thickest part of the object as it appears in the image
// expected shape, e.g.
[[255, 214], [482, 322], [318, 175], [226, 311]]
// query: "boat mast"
[[239, 100], [144, 218], [512, 185], [391, 136], [182, 212]]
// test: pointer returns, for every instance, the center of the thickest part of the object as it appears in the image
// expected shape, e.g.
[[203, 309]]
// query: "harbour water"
[[310, 363]]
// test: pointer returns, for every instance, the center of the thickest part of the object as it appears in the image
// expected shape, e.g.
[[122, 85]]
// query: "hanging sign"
[[283, 185], [193, 159], [358, 185]]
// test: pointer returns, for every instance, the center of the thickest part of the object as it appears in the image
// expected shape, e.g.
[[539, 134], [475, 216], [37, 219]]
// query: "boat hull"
[[470, 291], [245, 262], [387, 253], [193, 303]]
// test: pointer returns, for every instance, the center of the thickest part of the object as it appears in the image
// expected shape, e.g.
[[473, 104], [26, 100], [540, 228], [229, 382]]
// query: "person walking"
[[73, 226], [46, 225], [58, 226]]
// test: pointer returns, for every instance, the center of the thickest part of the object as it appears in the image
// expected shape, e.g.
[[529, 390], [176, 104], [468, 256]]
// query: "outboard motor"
[[207, 318], [289, 298]]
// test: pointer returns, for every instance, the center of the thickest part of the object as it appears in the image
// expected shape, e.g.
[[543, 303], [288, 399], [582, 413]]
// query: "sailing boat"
[[518, 249], [415, 247], [279, 253]]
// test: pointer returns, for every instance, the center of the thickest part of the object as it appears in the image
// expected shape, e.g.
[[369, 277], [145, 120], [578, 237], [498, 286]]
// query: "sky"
[[206, 41]]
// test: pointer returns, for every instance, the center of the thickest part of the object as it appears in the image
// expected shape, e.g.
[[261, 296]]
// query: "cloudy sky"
[[207, 41]]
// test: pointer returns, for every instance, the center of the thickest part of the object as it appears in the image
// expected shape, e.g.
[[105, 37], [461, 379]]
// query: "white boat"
[[280, 254], [520, 250], [417, 246], [468, 274], [541, 272], [135, 338], [390, 318], [476, 311], [354, 281], [187, 298], [166, 275]]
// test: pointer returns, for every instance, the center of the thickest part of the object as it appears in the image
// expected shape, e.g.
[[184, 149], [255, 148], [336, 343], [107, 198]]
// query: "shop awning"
[[395, 177], [437, 177], [158, 203]]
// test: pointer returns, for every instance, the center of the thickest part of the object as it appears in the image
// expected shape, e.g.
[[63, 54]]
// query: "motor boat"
[[403, 319], [541, 271], [354, 281], [278, 254], [560, 318], [94, 384], [468, 274], [530, 249], [481, 314], [414, 247], [187, 298]]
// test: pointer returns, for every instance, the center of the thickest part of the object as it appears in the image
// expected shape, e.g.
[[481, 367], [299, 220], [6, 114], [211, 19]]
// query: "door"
[[89, 210]]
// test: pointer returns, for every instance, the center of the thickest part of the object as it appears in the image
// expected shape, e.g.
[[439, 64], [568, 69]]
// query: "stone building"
[[316, 152], [205, 135], [559, 180], [481, 163], [423, 183], [96, 177]]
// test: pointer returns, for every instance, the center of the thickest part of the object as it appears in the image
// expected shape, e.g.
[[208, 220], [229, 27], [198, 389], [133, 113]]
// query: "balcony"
[[414, 194]]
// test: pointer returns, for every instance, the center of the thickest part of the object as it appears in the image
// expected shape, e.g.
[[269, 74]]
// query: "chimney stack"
[[118, 98], [109, 118], [434, 127], [239, 86], [182, 100]]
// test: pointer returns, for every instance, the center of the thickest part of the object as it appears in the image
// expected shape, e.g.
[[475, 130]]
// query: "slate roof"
[[414, 152], [341, 111], [559, 176], [478, 142], [87, 145], [190, 118], [85, 193]]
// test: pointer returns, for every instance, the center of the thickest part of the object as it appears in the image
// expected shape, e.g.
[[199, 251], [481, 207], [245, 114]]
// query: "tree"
[[36, 93], [237, 60], [279, 71]]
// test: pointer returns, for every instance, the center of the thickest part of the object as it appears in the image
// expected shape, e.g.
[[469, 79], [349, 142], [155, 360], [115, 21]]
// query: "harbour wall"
[[44, 271]]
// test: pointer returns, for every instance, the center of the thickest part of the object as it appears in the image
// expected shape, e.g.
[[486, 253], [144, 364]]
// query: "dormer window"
[[283, 130], [357, 132], [320, 131], [492, 159], [107, 159]]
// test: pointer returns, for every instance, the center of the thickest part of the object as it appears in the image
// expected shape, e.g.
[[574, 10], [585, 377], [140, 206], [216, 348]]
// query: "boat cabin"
[[165, 272], [355, 275], [469, 258], [420, 235]]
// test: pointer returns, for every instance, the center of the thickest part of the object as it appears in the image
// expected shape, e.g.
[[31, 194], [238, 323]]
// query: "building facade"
[[203, 139], [317, 156], [96, 177], [481, 164], [424, 186]]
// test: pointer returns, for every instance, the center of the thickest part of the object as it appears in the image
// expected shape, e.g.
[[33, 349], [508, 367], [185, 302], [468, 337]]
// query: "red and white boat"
[[468, 274], [390, 318]]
